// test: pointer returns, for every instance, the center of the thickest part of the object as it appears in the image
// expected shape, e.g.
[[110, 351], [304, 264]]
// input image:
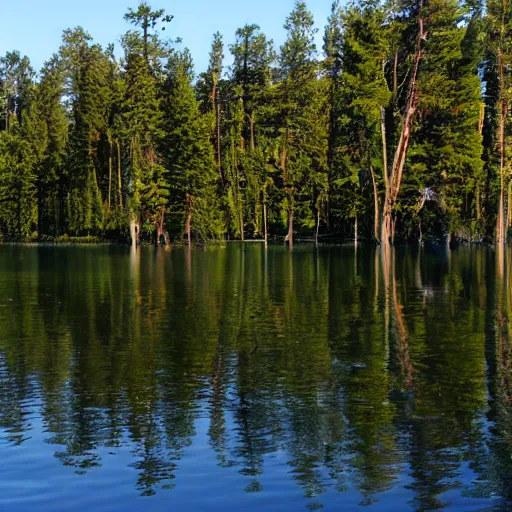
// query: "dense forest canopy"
[[397, 130]]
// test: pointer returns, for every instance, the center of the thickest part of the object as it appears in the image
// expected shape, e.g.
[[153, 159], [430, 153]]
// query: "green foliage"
[[189, 155], [358, 48], [278, 141]]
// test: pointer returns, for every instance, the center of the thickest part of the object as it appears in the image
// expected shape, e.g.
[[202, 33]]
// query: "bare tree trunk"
[[188, 222], [317, 226], [109, 174], [356, 234], [265, 217], [375, 204], [239, 202], [395, 179], [160, 228], [478, 205], [395, 73], [134, 232], [289, 236], [215, 105], [251, 121], [384, 145], [119, 183], [500, 221], [509, 210], [187, 227]]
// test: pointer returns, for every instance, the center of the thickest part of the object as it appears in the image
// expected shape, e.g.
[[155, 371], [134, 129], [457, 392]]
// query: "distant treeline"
[[399, 129]]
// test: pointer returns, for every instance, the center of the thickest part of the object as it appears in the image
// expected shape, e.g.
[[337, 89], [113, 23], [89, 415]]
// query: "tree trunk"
[[119, 183], [395, 74], [317, 226], [478, 206], [251, 120], [239, 196], [500, 221], [160, 228], [356, 234], [109, 175], [384, 145], [289, 236], [265, 217], [188, 222], [187, 227], [215, 106], [134, 232], [395, 179], [375, 205]]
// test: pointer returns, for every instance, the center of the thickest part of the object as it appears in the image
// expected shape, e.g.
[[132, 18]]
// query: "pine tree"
[[445, 154], [18, 202], [498, 119], [357, 50], [90, 100], [147, 41], [302, 154], [189, 156], [143, 132], [208, 89], [16, 78], [48, 104]]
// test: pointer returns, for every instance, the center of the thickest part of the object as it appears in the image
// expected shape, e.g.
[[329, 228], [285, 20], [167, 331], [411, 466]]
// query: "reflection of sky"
[[199, 481]]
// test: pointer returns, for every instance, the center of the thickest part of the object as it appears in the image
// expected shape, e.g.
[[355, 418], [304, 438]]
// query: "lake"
[[238, 378]]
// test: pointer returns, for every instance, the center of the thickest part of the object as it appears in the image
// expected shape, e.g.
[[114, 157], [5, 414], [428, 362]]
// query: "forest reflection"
[[359, 369]]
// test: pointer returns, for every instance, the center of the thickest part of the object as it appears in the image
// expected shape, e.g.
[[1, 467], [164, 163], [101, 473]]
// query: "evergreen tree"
[[445, 156], [147, 41], [143, 132], [498, 118], [189, 156], [208, 90], [48, 105], [18, 201], [303, 152], [357, 50], [387, 134]]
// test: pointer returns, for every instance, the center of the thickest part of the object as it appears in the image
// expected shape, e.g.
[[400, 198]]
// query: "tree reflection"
[[351, 369]]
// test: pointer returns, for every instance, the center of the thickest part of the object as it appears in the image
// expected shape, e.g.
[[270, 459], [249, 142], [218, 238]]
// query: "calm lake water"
[[230, 379]]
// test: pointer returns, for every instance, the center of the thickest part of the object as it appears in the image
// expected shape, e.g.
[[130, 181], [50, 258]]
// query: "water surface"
[[235, 378]]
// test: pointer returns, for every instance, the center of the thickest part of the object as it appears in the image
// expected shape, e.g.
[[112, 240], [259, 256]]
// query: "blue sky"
[[34, 27]]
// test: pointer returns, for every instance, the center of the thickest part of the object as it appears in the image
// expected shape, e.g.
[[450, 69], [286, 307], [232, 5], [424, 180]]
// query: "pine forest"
[[397, 130]]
